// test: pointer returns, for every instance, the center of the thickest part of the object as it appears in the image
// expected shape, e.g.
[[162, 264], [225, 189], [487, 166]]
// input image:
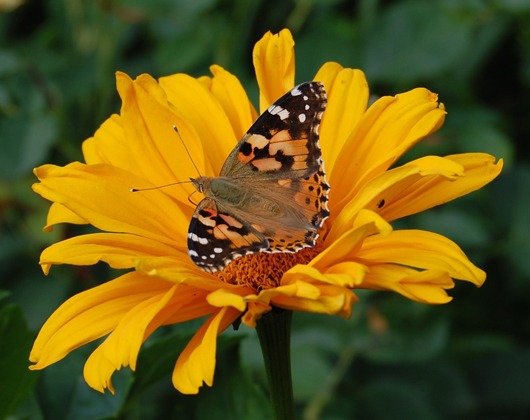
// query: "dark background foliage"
[[394, 358]]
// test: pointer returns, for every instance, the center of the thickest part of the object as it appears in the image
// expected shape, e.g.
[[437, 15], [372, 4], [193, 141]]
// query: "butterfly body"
[[271, 194]]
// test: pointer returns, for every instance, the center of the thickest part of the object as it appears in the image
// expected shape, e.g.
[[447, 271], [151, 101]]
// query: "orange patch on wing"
[[256, 141], [238, 240], [231, 221], [285, 183], [299, 165], [259, 228], [281, 136], [306, 201], [290, 148], [311, 193], [267, 164], [207, 220]]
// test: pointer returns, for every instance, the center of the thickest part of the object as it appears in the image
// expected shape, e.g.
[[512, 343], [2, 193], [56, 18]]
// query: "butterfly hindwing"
[[216, 238]]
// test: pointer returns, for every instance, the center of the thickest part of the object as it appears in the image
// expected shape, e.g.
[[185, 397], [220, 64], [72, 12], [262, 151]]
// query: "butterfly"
[[271, 194]]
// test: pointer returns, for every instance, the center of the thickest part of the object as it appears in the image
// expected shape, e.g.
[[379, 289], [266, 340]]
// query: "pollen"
[[265, 270]]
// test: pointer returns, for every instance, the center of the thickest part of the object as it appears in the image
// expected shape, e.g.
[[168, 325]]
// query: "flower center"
[[263, 270]]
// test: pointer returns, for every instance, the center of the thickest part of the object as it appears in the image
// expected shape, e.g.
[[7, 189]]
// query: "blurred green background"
[[394, 358]]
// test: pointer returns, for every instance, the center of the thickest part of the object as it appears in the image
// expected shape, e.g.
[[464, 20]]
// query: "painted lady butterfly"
[[272, 193]]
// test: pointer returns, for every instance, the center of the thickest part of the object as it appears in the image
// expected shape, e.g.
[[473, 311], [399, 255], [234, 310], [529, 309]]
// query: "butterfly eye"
[[198, 184]]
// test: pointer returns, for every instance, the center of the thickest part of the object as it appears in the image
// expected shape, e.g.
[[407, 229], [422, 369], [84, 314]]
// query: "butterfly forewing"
[[272, 192], [284, 139]]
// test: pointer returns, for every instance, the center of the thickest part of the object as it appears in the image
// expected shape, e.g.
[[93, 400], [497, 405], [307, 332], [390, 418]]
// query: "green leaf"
[[16, 381]]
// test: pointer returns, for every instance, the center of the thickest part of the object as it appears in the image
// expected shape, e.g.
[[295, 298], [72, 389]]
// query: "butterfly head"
[[200, 184]]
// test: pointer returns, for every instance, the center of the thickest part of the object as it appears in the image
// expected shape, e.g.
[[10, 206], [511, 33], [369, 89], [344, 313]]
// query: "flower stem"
[[274, 332]]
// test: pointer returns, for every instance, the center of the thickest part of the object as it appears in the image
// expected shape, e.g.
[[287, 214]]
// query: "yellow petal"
[[60, 214], [342, 247], [365, 216], [273, 57], [348, 93], [346, 274], [423, 250], [255, 310], [155, 151], [196, 364], [109, 145], [121, 347], [431, 190], [303, 296], [387, 191], [388, 129], [181, 271], [428, 286], [299, 289], [234, 100], [90, 315], [331, 300], [327, 74], [224, 297], [211, 137], [101, 195], [116, 249]]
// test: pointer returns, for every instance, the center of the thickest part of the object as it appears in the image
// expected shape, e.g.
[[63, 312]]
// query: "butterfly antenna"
[[158, 187], [186, 149]]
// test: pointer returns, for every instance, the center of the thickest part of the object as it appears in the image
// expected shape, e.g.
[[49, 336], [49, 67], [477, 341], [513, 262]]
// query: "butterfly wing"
[[279, 159], [284, 141], [308, 197], [215, 237]]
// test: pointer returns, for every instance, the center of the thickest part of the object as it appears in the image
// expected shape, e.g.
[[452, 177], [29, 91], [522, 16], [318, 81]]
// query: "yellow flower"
[[146, 232]]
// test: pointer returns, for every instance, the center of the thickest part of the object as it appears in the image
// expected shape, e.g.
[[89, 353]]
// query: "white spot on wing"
[[218, 250], [278, 110], [301, 118], [195, 238], [192, 253], [296, 92]]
